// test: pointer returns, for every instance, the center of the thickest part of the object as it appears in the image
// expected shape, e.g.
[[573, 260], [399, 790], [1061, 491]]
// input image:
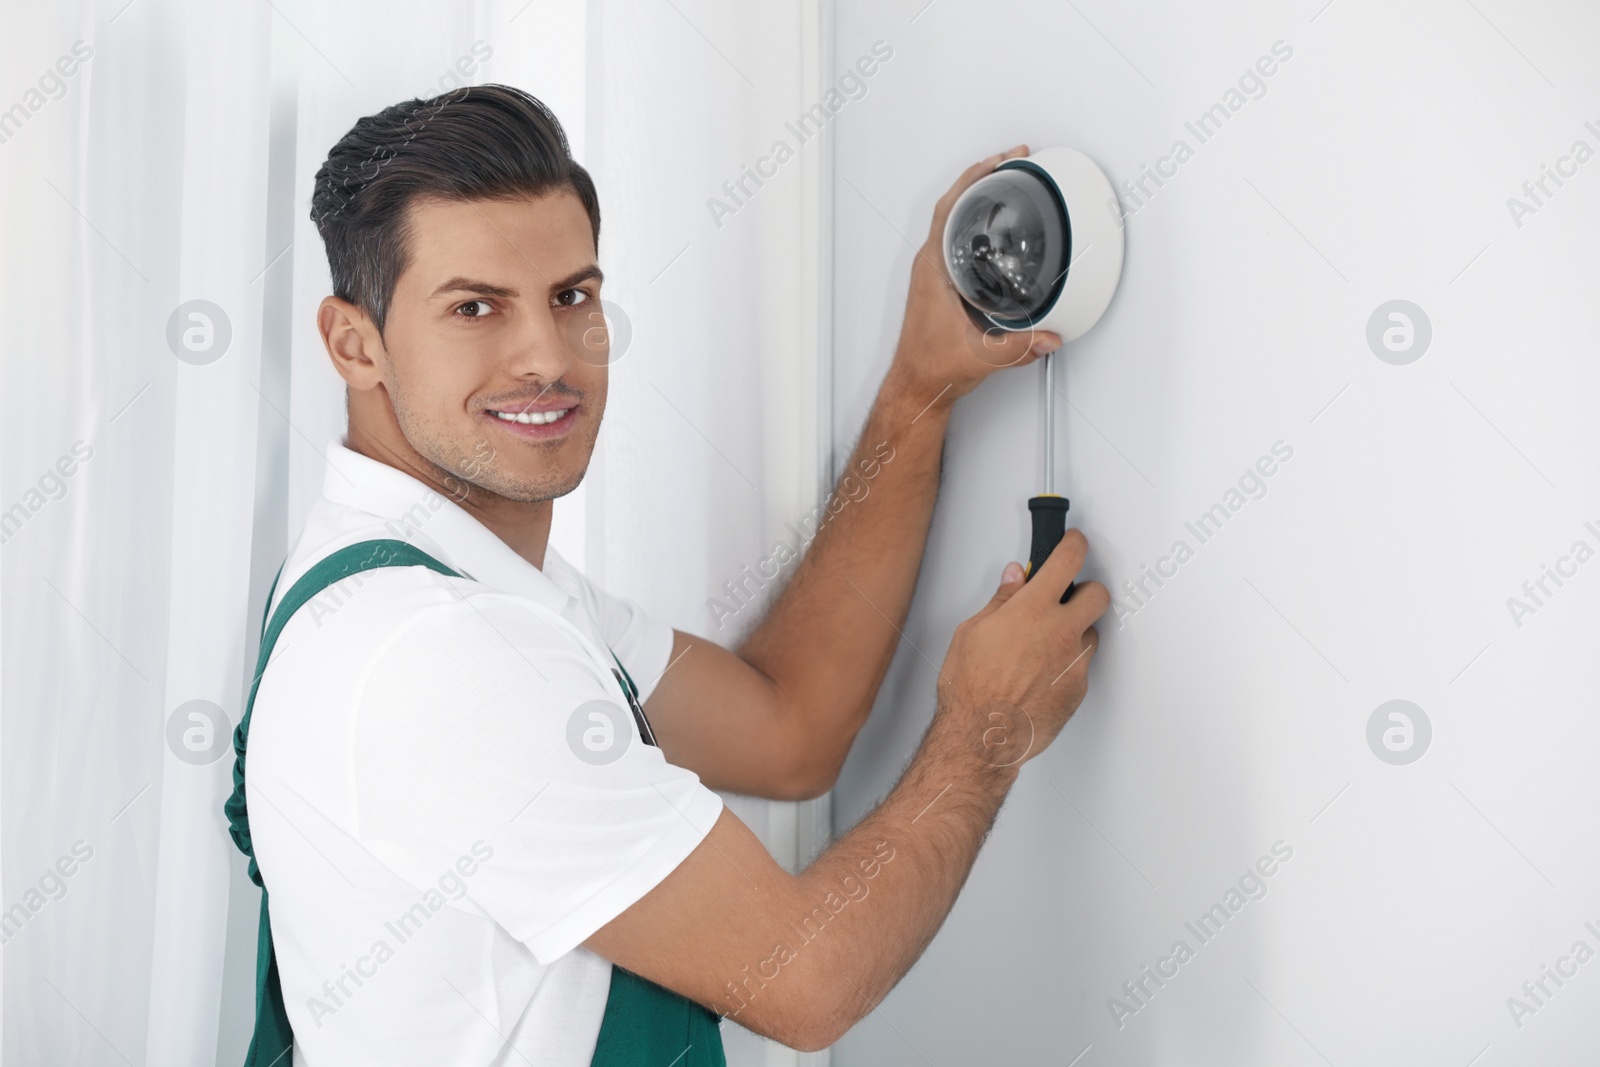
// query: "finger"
[[1011, 579], [1090, 645], [1014, 348], [1075, 671], [1060, 568], [1088, 602]]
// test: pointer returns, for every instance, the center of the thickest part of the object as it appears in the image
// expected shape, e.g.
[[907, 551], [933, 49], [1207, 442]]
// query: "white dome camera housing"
[[1036, 244]]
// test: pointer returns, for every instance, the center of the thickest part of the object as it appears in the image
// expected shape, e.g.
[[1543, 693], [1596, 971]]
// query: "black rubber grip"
[[1049, 527]]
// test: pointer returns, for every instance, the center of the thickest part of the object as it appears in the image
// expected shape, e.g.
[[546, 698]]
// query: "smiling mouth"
[[532, 418]]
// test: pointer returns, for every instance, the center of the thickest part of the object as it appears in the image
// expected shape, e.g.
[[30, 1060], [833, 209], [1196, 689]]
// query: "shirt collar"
[[420, 514]]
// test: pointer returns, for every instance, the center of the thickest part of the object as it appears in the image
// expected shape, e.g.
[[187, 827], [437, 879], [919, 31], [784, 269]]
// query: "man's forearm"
[[850, 594], [866, 909], [800, 958]]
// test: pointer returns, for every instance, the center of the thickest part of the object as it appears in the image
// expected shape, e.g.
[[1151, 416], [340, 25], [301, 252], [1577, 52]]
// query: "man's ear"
[[353, 343]]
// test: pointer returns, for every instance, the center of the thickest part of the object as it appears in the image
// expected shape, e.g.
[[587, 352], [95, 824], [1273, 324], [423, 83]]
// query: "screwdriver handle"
[[1049, 527]]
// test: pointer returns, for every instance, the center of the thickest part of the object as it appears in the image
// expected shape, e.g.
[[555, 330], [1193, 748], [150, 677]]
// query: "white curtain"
[[153, 476]]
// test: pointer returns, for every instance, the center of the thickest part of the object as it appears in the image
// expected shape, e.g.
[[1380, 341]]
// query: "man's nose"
[[541, 348]]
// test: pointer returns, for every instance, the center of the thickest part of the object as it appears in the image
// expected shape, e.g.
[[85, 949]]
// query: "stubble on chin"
[[470, 468], [477, 470]]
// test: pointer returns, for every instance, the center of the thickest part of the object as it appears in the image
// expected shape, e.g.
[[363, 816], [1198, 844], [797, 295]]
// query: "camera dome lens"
[[1009, 245]]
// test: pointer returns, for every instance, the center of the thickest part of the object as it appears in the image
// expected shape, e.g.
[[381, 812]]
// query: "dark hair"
[[484, 142]]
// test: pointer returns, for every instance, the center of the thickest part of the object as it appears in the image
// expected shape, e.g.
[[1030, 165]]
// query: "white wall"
[[1230, 711]]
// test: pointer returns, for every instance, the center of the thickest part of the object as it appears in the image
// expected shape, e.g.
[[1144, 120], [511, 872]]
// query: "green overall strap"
[[273, 1039], [644, 1024]]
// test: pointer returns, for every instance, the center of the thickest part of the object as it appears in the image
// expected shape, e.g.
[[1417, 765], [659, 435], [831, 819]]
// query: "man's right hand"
[[731, 929], [1018, 669]]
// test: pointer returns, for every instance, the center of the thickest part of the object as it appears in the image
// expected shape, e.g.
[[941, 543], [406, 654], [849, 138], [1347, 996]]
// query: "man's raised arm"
[[801, 958], [777, 718]]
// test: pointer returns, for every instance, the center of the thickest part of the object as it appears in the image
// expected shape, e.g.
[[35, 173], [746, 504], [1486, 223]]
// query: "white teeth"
[[532, 418]]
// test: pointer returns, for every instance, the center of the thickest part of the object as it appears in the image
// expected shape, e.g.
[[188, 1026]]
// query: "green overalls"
[[644, 1024]]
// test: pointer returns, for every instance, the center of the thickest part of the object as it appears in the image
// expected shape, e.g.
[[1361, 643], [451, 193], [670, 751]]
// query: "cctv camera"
[[1036, 244]]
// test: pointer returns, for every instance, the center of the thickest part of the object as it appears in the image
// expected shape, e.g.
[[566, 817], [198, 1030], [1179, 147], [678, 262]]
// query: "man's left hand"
[[942, 355]]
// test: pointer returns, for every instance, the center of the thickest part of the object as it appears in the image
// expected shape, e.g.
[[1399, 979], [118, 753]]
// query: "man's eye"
[[573, 297], [475, 309]]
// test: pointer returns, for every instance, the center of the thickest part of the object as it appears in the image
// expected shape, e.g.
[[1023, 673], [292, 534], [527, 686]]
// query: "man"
[[477, 847]]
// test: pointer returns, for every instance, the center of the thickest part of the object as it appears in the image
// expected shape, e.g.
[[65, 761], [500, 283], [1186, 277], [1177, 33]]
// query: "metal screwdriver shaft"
[[1049, 510], [1049, 424]]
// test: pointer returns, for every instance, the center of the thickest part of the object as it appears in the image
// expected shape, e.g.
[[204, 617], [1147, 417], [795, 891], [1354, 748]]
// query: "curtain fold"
[[218, 328], [133, 191], [167, 402]]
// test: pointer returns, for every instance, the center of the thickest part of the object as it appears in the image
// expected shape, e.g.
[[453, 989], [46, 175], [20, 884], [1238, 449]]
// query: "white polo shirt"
[[447, 792]]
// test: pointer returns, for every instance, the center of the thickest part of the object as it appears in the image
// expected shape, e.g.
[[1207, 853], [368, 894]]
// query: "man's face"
[[497, 351]]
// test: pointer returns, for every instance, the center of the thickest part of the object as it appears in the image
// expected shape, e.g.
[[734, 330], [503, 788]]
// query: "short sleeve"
[[641, 641], [490, 743]]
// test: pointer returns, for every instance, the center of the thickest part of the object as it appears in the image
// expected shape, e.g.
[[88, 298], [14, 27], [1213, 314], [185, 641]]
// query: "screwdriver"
[[1048, 509]]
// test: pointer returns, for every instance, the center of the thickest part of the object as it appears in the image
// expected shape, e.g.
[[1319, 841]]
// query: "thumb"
[[1011, 348], [1010, 581]]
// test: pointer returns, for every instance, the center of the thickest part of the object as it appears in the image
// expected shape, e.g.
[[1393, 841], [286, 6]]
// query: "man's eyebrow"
[[462, 284], [592, 271]]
